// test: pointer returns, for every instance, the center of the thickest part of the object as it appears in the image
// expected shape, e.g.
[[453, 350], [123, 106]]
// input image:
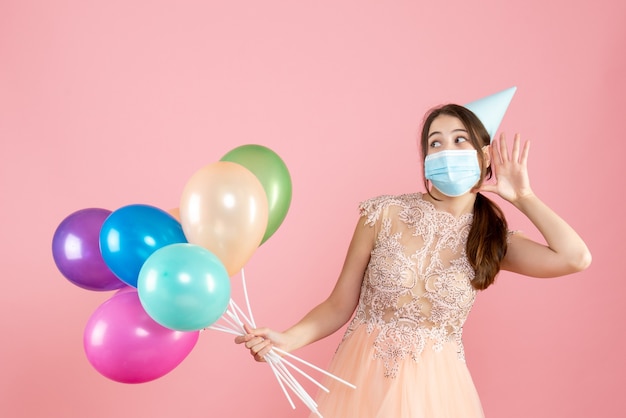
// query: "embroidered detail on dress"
[[417, 287], [510, 233]]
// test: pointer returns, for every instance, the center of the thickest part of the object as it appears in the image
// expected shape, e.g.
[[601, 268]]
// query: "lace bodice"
[[416, 291]]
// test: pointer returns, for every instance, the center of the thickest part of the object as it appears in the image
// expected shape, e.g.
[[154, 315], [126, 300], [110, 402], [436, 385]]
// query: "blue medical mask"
[[453, 172]]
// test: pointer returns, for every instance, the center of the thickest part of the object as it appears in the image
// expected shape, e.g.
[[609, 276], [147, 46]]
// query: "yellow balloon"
[[224, 209]]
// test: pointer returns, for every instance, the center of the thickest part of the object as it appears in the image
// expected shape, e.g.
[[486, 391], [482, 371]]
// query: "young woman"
[[412, 271]]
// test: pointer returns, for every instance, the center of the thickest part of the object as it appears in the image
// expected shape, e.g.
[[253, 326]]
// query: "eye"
[[435, 144], [460, 139]]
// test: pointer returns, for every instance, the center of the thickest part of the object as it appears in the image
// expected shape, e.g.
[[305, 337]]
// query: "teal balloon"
[[273, 174], [184, 287]]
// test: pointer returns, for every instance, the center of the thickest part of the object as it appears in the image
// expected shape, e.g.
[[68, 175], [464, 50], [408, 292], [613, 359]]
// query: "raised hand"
[[510, 170]]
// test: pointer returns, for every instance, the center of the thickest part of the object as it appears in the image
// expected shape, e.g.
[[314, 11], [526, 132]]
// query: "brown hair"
[[487, 239]]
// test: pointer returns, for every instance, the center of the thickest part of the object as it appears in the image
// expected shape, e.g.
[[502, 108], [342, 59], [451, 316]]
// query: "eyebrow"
[[454, 130]]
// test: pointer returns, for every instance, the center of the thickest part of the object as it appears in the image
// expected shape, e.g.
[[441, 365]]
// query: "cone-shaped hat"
[[491, 109]]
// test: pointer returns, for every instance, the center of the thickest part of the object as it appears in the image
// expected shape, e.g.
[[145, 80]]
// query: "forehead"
[[445, 123]]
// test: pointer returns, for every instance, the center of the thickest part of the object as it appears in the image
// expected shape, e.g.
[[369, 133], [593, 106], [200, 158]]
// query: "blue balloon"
[[184, 287], [130, 234]]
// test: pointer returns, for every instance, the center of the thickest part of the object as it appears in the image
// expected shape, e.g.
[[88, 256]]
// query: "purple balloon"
[[76, 251], [124, 344]]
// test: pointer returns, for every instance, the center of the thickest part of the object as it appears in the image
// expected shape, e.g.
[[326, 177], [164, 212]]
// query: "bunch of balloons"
[[171, 269]]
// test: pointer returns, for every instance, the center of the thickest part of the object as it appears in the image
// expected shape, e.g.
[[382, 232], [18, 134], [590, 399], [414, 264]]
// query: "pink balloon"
[[126, 345], [224, 209], [126, 289]]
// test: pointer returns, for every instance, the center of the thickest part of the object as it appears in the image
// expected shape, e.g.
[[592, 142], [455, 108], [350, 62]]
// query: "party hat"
[[491, 109]]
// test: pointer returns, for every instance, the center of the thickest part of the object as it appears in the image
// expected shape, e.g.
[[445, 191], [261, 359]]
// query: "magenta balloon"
[[126, 345], [76, 251], [126, 289]]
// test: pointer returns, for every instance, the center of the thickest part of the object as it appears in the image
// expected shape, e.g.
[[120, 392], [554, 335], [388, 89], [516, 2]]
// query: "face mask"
[[453, 172]]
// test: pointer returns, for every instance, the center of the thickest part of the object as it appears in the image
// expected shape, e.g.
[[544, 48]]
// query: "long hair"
[[487, 239]]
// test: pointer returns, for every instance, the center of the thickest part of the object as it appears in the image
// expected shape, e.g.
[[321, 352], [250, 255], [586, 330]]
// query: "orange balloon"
[[224, 209], [175, 212]]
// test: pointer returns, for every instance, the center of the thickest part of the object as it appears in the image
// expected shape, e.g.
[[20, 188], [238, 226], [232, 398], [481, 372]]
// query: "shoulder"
[[373, 207]]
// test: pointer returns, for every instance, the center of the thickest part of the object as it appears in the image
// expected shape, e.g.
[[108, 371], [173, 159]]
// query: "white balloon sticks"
[[234, 318]]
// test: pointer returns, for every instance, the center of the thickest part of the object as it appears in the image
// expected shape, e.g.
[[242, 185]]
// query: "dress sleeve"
[[371, 209], [510, 233]]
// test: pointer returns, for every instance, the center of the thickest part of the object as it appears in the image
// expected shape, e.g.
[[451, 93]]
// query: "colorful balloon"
[[223, 208], [175, 212], [76, 251], [184, 287], [125, 289], [123, 343], [131, 234], [273, 174]]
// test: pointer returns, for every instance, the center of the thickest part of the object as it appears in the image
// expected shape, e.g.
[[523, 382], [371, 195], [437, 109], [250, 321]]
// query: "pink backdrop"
[[104, 104]]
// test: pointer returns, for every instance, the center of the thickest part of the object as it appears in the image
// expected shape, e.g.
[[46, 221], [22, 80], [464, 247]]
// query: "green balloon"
[[273, 174]]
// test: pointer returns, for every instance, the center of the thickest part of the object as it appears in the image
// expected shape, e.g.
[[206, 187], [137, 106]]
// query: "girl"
[[412, 271]]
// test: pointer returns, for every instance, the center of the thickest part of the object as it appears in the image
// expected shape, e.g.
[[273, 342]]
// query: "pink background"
[[104, 104]]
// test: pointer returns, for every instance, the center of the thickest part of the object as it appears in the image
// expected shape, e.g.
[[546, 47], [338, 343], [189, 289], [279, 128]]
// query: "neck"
[[456, 206]]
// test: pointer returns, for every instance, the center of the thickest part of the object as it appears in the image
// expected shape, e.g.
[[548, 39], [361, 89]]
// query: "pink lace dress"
[[403, 348]]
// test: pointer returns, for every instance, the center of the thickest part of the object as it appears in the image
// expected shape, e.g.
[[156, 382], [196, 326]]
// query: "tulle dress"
[[403, 348]]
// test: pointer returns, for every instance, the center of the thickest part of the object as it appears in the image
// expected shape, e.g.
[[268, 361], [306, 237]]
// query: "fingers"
[[260, 350], [515, 152], [255, 341], [525, 151], [492, 188], [496, 150], [518, 153], [258, 346], [503, 150], [250, 333], [245, 338]]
